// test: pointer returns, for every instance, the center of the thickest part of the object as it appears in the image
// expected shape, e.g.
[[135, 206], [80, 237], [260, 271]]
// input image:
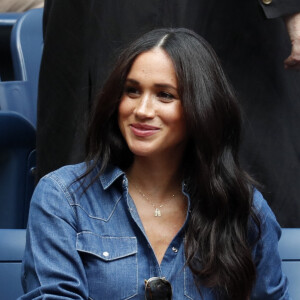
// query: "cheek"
[[122, 111], [123, 114], [125, 109], [178, 124], [175, 117]]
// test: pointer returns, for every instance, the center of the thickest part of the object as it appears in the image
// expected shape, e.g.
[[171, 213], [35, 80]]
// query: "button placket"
[[174, 249]]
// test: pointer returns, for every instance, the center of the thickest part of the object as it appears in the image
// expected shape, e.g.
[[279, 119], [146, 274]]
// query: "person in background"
[[19, 5], [161, 195], [251, 39]]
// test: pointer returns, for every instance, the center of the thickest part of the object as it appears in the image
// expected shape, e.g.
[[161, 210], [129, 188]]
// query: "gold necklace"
[[157, 211]]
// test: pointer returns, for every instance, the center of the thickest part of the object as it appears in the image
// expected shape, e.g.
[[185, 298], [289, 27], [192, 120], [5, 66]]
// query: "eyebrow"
[[160, 85]]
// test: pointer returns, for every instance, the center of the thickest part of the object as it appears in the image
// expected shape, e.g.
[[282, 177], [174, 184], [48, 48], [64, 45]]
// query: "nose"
[[145, 107]]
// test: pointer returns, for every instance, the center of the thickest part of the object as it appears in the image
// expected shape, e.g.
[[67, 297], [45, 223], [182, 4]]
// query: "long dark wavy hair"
[[217, 245]]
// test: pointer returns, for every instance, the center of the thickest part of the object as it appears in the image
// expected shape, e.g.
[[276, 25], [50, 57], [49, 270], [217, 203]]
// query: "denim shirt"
[[93, 245]]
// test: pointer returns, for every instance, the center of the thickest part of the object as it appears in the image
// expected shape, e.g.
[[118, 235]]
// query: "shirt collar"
[[110, 175]]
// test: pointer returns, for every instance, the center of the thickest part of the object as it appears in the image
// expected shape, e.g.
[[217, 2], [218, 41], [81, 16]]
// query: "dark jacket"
[[82, 37]]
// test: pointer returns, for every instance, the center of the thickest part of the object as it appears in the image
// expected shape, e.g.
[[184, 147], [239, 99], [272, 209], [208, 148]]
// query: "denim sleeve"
[[271, 283], [52, 268]]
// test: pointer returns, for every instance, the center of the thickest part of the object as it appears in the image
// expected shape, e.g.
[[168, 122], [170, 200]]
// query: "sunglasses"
[[158, 288]]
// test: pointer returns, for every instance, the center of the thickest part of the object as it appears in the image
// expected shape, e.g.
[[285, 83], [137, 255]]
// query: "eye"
[[166, 97], [131, 91]]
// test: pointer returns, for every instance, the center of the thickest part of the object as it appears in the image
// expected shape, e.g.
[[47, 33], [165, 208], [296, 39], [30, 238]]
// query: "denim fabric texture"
[[92, 245]]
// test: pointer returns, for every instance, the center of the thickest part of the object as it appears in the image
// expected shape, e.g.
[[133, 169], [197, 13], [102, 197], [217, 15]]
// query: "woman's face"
[[150, 112]]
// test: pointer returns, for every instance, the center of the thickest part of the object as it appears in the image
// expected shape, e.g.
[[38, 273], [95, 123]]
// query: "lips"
[[143, 130]]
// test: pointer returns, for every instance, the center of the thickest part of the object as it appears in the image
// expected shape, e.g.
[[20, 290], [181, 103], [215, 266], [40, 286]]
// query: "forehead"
[[154, 64]]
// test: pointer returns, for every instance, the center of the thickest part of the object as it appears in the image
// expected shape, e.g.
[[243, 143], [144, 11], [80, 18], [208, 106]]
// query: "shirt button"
[[174, 249], [267, 2], [105, 253]]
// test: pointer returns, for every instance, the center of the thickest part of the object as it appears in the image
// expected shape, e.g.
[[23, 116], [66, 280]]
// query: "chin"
[[144, 153], [141, 151]]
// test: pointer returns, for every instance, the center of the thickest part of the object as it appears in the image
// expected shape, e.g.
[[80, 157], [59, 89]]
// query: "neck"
[[159, 177]]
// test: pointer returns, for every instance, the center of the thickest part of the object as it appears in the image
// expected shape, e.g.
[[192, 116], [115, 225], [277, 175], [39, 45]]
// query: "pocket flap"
[[106, 247]]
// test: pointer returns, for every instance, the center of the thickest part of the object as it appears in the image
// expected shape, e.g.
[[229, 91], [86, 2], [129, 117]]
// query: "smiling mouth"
[[143, 130]]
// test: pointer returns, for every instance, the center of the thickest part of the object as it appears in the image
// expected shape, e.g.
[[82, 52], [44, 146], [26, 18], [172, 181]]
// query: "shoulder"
[[66, 175], [70, 174], [64, 194], [73, 176], [268, 232], [63, 179], [72, 181], [265, 214], [58, 185], [267, 220], [261, 207]]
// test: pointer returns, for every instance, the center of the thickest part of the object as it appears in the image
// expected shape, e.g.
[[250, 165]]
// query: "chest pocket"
[[111, 265]]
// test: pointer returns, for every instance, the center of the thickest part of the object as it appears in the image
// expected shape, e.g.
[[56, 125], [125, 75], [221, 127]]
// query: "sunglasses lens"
[[158, 289]]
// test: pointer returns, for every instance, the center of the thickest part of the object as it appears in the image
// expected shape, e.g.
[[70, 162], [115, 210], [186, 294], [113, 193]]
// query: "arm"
[[271, 283], [290, 10], [52, 268], [293, 27]]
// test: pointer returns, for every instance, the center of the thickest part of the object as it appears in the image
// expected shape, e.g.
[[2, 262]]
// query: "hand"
[[293, 26]]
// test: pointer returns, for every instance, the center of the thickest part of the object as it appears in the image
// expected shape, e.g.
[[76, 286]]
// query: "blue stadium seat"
[[7, 20], [15, 96], [17, 160], [11, 253], [26, 49], [289, 249]]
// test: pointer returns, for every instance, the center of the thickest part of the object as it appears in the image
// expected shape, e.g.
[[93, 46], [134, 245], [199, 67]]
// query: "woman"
[[161, 196]]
